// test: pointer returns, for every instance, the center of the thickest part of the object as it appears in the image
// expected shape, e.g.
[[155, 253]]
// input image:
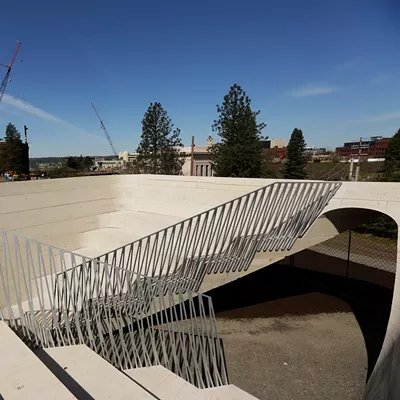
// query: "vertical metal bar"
[[348, 255]]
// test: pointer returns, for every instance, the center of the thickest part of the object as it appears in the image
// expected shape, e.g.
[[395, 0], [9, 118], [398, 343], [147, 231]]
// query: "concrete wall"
[[95, 214]]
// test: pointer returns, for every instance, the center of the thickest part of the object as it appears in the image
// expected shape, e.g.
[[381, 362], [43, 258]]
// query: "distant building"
[[129, 158], [201, 161], [375, 147], [102, 164], [277, 153], [273, 143], [276, 148]]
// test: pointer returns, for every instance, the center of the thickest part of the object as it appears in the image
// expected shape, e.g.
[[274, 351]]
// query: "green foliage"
[[383, 226], [296, 162], [239, 153], [79, 163], [158, 151], [15, 155], [392, 159]]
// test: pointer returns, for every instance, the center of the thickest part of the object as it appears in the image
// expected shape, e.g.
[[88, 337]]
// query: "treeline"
[[392, 159], [79, 163], [383, 226], [237, 154], [71, 166], [35, 161]]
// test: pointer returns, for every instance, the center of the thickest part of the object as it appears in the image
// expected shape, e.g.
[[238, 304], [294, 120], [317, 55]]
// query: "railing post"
[[348, 255]]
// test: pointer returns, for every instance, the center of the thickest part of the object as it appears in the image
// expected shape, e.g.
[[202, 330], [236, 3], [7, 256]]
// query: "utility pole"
[[351, 169], [360, 146], [192, 157], [27, 171], [358, 161]]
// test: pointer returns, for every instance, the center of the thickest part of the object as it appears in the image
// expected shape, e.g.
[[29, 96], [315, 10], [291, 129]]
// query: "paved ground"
[[300, 357]]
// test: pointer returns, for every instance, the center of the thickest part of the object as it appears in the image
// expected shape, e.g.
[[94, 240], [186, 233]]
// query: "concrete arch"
[[346, 210], [383, 382]]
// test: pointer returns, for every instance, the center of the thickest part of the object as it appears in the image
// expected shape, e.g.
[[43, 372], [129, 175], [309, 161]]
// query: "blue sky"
[[330, 68]]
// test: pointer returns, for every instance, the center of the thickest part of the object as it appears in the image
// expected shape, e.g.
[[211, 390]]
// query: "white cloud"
[[30, 109], [312, 90], [382, 117], [39, 113], [392, 116]]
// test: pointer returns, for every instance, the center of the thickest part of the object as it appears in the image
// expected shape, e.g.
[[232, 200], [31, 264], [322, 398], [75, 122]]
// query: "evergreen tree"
[[72, 162], [87, 162], [392, 159], [239, 153], [158, 151], [296, 162], [15, 154]]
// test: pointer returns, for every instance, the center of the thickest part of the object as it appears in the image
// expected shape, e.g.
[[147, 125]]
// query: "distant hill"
[[44, 160]]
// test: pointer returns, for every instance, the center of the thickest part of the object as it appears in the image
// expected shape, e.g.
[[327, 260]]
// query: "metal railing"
[[356, 248], [138, 305], [52, 297], [226, 238]]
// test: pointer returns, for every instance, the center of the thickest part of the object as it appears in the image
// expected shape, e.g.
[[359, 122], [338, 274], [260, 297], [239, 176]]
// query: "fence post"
[[348, 255]]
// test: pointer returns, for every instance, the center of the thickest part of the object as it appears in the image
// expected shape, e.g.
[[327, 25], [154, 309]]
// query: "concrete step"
[[228, 392], [165, 384], [90, 376], [22, 375], [168, 386]]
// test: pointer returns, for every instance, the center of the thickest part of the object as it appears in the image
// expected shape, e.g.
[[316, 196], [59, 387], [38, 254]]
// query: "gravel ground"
[[299, 357]]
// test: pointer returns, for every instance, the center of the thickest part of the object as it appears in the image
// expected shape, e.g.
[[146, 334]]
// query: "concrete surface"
[[228, 392], [80, 213], [296, 357], [165, 384], [94, 375], [22, 375]]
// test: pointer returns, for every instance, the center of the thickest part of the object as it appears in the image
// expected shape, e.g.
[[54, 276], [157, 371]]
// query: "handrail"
[[130, 320], [227, 236]]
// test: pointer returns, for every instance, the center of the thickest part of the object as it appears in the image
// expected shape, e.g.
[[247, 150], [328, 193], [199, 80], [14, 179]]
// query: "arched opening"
[[313, 324]]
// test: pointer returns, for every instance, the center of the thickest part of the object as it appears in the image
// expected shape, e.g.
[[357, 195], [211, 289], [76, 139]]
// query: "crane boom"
[[104, 129], [4, 82]]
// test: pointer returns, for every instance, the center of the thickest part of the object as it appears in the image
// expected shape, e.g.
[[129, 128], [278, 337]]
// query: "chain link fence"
[[356, 255]]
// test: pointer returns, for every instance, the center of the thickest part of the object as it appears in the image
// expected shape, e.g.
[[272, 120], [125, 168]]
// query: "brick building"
[[375, 147], [275, 147]]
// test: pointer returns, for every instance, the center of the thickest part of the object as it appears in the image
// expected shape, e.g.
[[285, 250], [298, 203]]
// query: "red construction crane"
[[104, 129], [9, 66]]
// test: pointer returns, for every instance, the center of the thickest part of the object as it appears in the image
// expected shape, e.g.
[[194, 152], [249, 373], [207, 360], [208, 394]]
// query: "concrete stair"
[[165, 384], [228, 392], [22, 375], [168, 386], [76, 372], [89, 376]]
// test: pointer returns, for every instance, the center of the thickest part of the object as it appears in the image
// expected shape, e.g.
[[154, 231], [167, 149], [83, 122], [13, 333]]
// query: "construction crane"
[[105, 130], [9, 66]]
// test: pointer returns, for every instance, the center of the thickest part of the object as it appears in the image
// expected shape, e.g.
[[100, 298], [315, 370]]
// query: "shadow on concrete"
[[62, 375], [279, 290]]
